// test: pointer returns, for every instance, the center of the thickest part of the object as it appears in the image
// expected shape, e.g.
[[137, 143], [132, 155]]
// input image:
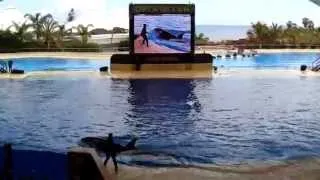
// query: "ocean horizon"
[[223, 32], [213, 32]]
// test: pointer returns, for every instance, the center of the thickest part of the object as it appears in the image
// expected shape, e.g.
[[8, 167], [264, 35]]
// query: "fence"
[[267, 45], [100, 49], [117, 48]]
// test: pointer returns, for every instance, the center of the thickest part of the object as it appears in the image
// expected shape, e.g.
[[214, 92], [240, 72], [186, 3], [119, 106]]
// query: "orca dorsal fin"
[[180, 36]]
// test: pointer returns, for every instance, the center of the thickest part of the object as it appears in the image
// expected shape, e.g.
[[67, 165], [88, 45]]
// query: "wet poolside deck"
[[48, 165], [245, 73], [307, 169]]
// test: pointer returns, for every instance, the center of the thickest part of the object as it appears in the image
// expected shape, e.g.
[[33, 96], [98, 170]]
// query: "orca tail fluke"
[[132, 144]]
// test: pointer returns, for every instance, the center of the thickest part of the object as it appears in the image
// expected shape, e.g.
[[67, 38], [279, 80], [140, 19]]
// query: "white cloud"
[[117, 17], [9, 14], [108, 13], [95, 12], [98, 12], [87, 12]]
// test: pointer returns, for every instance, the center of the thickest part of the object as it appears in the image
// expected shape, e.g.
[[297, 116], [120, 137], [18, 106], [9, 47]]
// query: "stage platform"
[[196, 62]]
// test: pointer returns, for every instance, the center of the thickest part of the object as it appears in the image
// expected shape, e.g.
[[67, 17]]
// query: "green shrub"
[[124, 45], [77, 46], [9, 42], [201, 42]]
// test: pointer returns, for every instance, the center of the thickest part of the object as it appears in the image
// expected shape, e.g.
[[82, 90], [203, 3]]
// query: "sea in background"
[[223, 32], [214, 32]]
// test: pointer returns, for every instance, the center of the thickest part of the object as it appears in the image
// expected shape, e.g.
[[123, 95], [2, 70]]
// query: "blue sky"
[[109, 13]]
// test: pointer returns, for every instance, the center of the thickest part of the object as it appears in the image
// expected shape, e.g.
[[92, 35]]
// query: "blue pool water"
[[262, 61], [225, 120], [55, 64], [37, 165], [270, 61]]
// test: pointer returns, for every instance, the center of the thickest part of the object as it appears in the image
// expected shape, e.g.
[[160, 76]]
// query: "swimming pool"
[[269, 61], [262, 61], [58, 64], [225, 120]]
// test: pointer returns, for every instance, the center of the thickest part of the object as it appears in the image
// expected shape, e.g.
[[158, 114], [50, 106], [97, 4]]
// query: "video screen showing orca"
[[163, 34]]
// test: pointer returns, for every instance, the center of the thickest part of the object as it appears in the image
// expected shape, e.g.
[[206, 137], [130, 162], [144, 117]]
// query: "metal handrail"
[[316, 63], [115, 48]]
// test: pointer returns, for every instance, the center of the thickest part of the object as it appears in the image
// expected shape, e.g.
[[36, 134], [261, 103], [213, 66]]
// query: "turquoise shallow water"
[[269, 61], [58, 64]]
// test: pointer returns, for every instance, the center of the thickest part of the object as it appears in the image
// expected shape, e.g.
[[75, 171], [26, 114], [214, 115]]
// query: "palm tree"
[[307, 23], [112, 35], [276, 32], [250, 35], [291, 25], [21, 31], [201, 36], [37, 21], [291, 32], [63, 32], [84, 33], [48, 30], [71, 15], [260, 33]]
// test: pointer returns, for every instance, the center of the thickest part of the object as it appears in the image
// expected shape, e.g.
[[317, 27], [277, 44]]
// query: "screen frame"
[[159, 9]]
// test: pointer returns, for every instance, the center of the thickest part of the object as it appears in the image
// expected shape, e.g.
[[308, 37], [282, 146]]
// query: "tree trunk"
[[111, 38], [84, 40], [38, 35]]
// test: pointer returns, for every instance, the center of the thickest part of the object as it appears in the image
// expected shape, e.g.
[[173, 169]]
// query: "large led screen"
[[162, 34]]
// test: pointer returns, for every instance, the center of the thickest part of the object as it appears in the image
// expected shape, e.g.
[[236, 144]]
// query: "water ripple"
[[227, 120]]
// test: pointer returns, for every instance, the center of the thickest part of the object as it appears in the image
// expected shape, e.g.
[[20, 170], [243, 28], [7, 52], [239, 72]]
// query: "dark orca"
[[102, 144], [167, 34], [107, 146]]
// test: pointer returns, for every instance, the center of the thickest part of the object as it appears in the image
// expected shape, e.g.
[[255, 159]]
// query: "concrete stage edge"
[[127, 62]]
